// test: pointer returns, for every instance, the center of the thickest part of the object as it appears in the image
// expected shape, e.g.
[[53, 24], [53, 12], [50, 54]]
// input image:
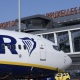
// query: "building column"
[[55, 38], [70, 41]]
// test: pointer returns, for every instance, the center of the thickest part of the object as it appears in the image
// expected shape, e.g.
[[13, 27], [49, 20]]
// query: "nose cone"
[[68, 61]]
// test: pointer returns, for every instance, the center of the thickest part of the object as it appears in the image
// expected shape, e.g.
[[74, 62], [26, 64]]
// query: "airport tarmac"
[[75, 79], [49, 79]]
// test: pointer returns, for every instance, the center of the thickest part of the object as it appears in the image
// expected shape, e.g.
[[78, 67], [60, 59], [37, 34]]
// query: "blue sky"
[[9, 8]]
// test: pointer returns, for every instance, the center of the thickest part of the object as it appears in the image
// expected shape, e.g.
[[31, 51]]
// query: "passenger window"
[[3, 46], [19, 46], [9, 47], [24, 47], [14, 46]]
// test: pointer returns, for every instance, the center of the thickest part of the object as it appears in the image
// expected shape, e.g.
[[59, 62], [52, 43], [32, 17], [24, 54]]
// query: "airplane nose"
[[68, 61]]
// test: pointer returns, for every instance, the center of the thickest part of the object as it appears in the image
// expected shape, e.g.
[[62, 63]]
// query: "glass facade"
[[36, 23], [63, 41], [29, 24], [50, 37], [76, 40]]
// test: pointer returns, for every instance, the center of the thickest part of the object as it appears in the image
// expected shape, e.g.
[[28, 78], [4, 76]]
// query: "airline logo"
[[30, 44], [13, 42]]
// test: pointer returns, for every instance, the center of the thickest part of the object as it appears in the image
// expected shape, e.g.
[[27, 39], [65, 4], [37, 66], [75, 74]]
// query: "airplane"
[[28, 56]]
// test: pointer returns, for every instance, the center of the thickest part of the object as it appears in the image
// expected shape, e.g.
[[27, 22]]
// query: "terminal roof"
[[34, 17]]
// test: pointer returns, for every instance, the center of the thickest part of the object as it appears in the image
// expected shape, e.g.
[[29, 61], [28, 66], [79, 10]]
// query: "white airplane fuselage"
[[25, 55]]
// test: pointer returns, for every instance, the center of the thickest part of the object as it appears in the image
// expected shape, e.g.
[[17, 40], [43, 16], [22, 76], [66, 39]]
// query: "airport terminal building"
[[61, 27]]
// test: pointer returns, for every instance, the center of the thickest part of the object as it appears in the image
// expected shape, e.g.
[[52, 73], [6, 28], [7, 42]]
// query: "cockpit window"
[[56, 48]]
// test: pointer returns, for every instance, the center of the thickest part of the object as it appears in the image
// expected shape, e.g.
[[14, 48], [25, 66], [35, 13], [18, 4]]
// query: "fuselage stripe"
[[28, 64]]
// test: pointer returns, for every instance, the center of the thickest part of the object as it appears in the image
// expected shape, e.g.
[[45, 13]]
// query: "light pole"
[[19, 23]]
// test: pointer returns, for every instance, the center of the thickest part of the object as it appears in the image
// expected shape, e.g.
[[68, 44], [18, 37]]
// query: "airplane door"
[[42, 48]]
